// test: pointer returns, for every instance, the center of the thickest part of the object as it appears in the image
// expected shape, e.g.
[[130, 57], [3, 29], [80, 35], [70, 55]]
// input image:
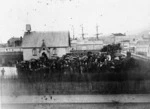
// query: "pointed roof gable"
[[43, 46], [51, 39]]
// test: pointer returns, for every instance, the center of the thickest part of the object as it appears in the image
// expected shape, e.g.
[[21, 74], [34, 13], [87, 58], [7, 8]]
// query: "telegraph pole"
[[82, 32], [73, 32], [97, 33]]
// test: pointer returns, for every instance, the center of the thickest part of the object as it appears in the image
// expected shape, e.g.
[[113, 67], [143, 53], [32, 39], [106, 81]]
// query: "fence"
[[14, 87], [145, 58]]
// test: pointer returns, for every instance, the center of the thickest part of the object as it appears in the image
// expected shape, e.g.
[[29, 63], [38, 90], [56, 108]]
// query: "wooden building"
[[36, 43], [143, 48]]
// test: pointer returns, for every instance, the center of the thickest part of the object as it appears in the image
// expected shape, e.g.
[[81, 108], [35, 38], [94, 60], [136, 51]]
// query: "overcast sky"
[[126, 16]]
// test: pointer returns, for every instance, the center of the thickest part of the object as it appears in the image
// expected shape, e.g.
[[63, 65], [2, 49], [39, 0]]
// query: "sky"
[[112, 16]]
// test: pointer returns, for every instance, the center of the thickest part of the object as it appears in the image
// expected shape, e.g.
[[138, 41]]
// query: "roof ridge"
[[49, 31]]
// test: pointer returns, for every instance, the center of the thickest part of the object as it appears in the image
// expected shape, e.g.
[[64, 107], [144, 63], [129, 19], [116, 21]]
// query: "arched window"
[[54, 51], [34, 52]]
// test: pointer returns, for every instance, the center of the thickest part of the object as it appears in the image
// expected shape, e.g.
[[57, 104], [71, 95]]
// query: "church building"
[[37, 43]]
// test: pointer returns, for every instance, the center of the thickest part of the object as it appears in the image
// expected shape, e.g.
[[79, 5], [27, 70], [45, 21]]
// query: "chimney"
[[28, 27]]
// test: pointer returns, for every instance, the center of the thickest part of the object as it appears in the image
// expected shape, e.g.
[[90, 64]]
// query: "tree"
[[111, 48]]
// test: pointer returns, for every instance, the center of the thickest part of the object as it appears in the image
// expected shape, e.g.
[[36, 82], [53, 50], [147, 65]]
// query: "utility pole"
[[83, 34], [73, 32], [97, 33]]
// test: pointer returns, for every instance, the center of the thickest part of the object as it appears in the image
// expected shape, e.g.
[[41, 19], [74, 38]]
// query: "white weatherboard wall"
[[27, 53], [62, 51], [143, 49]]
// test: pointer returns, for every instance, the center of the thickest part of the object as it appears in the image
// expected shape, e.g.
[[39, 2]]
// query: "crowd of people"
[[79, 63], [90, 63]]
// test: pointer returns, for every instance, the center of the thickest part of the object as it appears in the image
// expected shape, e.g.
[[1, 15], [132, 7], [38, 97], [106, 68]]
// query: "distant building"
[[132, 45], [118, 37], [143, 48], [74, 44], [35, 44], [2, 45], [107, 40], [10, 55], [14, 42], [10, 49], [119, 34], [146, 37], [86, 44], [125, 44], [11, 52]]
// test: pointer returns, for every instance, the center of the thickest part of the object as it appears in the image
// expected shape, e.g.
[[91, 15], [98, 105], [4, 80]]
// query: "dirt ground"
[[17, 87], [77, 106]]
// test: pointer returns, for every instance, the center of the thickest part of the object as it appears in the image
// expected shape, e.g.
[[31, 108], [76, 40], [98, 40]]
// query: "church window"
[[54, 51], [34, 52]]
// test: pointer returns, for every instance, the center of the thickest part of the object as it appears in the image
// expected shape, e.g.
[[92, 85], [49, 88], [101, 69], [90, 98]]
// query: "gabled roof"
[[119, 34], [125, 41], [51, 39], [13, 39]]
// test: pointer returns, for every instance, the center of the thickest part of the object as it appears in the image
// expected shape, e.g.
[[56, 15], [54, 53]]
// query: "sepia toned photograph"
[[75, 54]]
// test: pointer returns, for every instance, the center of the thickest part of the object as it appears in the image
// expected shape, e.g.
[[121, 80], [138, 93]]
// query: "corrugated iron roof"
[[51, 39]]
